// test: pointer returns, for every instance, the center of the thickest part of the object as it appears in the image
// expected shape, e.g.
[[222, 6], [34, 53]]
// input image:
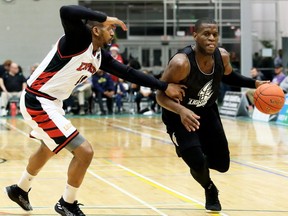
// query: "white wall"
[[283, 21], [269, 22], [29, 28], [263, 23]]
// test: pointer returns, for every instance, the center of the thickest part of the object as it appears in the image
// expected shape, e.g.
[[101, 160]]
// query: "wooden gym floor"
[[136, 172]]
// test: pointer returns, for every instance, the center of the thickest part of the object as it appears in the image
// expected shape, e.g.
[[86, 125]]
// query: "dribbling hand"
[[259, 82]]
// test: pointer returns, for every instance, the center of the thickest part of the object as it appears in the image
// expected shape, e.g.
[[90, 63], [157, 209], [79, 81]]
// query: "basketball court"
[[135, 170]]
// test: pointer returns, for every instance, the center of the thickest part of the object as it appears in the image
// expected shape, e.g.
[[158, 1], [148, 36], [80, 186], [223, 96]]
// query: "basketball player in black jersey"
[[76, 56], [194, 124]]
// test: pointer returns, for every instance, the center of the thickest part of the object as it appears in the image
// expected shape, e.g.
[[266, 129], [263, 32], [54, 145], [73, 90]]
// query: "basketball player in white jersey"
[[76, 56]]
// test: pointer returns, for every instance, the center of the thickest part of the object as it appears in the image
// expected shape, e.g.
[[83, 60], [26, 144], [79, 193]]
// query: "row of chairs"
[[91, 105]]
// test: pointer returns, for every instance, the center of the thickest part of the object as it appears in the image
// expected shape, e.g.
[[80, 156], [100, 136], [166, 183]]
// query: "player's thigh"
[[214, 142], [184, 139], [47, 120]]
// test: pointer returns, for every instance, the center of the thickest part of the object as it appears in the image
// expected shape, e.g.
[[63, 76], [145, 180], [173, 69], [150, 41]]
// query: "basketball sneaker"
[[67, 209], [212, 201], [19, 196]]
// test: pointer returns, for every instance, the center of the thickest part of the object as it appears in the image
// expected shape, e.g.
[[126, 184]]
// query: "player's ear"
[[96, 30], [194, 34]]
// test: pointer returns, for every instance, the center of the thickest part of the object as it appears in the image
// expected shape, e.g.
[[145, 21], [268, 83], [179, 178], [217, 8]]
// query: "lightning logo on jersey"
[[204, 95]]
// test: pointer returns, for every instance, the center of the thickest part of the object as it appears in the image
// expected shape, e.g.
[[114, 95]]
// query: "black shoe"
[[212, 201], [19, 196], [67, 209]]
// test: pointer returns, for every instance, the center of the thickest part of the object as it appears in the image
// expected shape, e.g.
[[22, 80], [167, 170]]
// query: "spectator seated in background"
[[12, 83], [284, 85], [5, 67], [83, 92], [279, 75], [145, 92], [257, 75], [32, 69], [278, 59], [103, 86], [121, 89], [114, 51], [133, 88]]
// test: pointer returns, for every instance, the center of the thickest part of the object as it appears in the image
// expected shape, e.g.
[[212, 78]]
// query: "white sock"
[[69, 195], [25, 181]]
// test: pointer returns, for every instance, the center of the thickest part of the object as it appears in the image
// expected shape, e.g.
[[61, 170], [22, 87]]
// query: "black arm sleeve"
[[236, 79], [110, 65], [77, 36]]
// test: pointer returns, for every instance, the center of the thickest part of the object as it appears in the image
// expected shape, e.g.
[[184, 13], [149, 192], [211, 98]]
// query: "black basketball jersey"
[[202, 89]]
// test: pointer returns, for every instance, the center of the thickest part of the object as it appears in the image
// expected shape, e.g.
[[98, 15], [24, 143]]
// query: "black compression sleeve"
[[77, 36], [110, 65], [236, 79], [75, 12]]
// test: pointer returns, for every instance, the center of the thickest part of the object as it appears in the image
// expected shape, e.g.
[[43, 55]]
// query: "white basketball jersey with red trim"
[[58, 75]]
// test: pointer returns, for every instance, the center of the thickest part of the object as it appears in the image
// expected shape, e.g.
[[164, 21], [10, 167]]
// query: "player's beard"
[[106, 46], [104, 40], [108, 43]]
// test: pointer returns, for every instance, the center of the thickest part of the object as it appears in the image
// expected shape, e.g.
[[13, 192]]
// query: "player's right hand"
[[114, 21], [260, 82], [189, 119]]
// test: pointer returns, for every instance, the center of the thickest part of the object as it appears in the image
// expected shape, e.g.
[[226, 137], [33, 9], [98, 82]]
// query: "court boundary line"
[[269, 168], [126, 193], [143, 126], [164, 141]]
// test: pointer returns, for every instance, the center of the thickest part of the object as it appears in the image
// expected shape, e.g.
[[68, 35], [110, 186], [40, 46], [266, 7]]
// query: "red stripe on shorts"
[[35, 112], [43, 120], [47, 125], [54, 133]]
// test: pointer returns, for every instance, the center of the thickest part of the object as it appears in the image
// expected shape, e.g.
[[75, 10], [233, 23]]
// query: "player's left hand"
[[175, 91], [258, 82], [114, 21]]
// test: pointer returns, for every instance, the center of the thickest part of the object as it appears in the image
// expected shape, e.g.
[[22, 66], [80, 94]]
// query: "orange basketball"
[[269, 98]]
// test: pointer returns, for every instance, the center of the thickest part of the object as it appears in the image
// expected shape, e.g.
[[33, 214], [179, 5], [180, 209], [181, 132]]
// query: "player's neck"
[[200, 57], [96, 45]]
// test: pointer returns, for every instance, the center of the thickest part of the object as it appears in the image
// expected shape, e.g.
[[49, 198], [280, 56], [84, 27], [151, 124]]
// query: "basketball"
[[269, 98]]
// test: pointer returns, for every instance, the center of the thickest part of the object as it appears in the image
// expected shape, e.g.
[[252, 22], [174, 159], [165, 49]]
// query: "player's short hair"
[[91, 23], [201, 21]]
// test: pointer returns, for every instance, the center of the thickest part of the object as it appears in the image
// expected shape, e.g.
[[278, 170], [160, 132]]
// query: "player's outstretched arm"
[[125, 72], [235, 79]]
